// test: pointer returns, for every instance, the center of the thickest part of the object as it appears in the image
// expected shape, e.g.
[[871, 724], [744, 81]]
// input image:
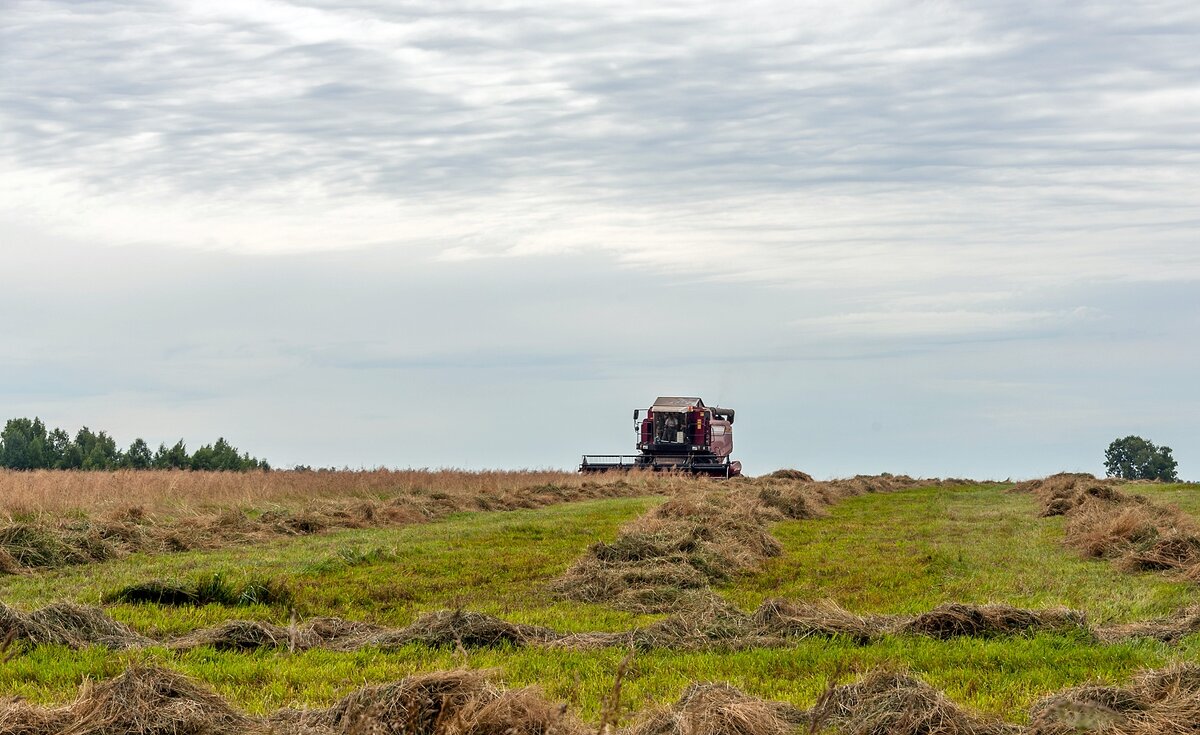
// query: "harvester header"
[[676, 433]]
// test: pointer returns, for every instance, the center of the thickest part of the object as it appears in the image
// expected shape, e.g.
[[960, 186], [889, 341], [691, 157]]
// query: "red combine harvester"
[[680, 434]]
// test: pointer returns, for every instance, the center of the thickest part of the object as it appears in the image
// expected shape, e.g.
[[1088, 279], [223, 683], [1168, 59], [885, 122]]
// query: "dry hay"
[[985, 621], [789, 474], [1104, 522], [666, 556], [1168, 630], [719, 709], [1164, 702], [238, 635], [67, 624], [890, 703], [457, 628], [149, 701], [141, 701], [705, 623], [443, 703], [790, 619]]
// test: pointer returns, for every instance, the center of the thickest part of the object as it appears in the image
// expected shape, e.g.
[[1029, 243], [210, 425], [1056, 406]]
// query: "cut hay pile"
[[1104, 522], [141, 701], [442, 703], [149, 701], [1165, 702], [672, 554], [987, 621], [719, 709], [239, 635], [790, 620], [66, 624], [457, 628], [890, 703], [1168, 630]]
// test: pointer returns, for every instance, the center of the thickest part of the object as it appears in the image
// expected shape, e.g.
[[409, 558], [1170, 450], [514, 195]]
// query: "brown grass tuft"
[[985, 621], [1163, 702], [890, 703], [719, 709]]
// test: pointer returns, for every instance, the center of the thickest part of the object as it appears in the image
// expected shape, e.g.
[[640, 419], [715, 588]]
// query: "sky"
[[935, 238]]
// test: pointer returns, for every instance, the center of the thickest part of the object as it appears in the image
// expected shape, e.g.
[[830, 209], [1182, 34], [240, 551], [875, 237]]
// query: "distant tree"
[[1134, 458], [99, 450], [139, 456], [175, 458], [23, 444], [58, 448]]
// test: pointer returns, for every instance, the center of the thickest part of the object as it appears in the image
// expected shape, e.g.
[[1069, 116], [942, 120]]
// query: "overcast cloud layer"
[[925, 237]]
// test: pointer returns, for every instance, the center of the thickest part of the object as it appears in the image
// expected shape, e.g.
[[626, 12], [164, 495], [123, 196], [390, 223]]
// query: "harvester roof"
[[675, 403]]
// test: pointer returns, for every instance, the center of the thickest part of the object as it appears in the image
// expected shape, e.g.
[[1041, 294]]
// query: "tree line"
[[26, 444]]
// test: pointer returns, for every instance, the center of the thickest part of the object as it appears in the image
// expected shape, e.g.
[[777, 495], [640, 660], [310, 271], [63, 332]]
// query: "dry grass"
[[1104, 522], [141, 701], [148, 701], [111, 514], [167, 492], [1165, 702], [890, 703], [986, 621], [718, 709]]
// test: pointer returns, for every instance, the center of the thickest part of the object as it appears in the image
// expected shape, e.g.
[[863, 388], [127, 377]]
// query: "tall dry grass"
[[56, 492]]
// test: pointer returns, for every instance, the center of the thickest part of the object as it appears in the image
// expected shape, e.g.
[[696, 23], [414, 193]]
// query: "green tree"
[[23, 444], [57, 449], [175, 458], [1135, 458], [139, 456]]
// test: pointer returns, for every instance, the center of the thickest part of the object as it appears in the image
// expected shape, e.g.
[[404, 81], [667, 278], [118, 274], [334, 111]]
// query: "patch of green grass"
[[911, 551], [493, 562], [1185, 496]]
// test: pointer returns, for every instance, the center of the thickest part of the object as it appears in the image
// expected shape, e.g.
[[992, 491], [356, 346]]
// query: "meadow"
[[898, 553]]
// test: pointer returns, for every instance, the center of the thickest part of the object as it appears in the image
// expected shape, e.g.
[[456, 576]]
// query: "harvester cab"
[[676, 433]]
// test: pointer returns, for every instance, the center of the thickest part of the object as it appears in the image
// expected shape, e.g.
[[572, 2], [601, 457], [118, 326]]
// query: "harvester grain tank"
[[676, 433]]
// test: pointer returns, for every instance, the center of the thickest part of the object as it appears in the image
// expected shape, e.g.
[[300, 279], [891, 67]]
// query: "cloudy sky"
[[941, 238]]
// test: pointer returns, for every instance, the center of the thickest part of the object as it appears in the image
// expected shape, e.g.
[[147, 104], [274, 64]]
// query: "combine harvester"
[[680, 434]]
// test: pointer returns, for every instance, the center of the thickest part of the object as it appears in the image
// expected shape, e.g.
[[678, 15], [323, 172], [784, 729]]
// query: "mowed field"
[[898, 553]]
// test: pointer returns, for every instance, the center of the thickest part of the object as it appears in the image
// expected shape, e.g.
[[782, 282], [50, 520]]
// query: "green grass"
[[493, 562], [908, 552], [1186, 496], [902, 552]]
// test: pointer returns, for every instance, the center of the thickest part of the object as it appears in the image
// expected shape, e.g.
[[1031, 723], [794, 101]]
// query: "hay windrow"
[[1105, 523], [719, 709], [986, 621], [891, 703], [67, 624], [705, 623], [151, 701], [1162, 702], [443, 703]]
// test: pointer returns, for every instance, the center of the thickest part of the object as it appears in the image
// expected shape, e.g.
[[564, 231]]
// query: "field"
[[827, 600]]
